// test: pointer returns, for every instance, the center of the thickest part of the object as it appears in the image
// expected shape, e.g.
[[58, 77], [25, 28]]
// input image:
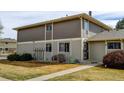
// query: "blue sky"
[[14, 19]]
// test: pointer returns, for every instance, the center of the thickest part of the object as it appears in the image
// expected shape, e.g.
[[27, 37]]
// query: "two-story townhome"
[[67, 35]]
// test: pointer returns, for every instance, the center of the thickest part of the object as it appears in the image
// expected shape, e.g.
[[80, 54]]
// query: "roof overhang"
[[83, 15]]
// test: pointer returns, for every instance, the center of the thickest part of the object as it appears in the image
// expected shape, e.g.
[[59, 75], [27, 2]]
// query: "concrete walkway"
[[60, 73], [4, 79]]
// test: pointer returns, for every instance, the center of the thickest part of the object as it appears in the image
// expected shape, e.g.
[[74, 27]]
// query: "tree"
[[120, 24]]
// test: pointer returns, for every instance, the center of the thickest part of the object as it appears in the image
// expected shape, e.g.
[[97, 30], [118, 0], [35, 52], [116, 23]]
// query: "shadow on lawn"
[[30, 64], [112, 67]]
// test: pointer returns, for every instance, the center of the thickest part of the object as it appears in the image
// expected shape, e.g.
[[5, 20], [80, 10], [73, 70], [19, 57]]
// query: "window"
[[64, 47], [86, 27], [6, 42], [6, 49], [48, 47], [114, 45], [49, 28], [61, 47]]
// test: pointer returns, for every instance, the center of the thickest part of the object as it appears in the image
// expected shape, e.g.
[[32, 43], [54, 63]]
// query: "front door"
[[85, 51]]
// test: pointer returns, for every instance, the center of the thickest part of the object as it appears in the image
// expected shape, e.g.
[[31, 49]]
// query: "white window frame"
[[48, 50], [114, 42], [64, 46]]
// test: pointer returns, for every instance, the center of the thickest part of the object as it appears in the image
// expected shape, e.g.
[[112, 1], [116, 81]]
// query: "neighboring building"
[[7, 46], [68, 35]]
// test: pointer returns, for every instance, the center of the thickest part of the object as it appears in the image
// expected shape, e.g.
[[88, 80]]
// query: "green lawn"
[[97, 73], [22, 70]]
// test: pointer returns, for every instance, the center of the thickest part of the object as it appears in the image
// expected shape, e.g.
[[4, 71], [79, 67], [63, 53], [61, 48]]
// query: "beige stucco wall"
[[55, 48], [112, 50], [48, 56], [76, 49], [30, 47], [97, 51], [25, 48], [39, 45]]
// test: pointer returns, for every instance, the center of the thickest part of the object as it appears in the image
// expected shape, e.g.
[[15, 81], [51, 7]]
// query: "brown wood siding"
[[48, 35], [67, 29], [61, 30], [31, 34]]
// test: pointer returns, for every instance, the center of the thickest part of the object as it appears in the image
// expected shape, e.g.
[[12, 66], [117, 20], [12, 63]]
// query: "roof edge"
[[83, 15]]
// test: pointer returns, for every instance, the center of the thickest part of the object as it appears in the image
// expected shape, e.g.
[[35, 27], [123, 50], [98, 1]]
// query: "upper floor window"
[[114, 45], [6, 42], [48, 47], [64, 47], [49, 28], [86, 27]]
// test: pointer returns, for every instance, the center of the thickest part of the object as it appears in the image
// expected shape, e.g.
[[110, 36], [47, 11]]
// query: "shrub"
[[60, 57], [77, 61], [17, 57], [13, 57], [54, 58], [26, 57], [73, 60], [114, 59]]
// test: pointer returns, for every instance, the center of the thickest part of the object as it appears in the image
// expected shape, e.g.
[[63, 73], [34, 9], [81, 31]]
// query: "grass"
[[98, 73], [27, 70]]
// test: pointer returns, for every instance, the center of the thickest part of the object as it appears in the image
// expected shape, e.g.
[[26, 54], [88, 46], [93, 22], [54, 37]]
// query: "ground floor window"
[[6, 49], [48, 47], [114, 45], [64, 47]]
